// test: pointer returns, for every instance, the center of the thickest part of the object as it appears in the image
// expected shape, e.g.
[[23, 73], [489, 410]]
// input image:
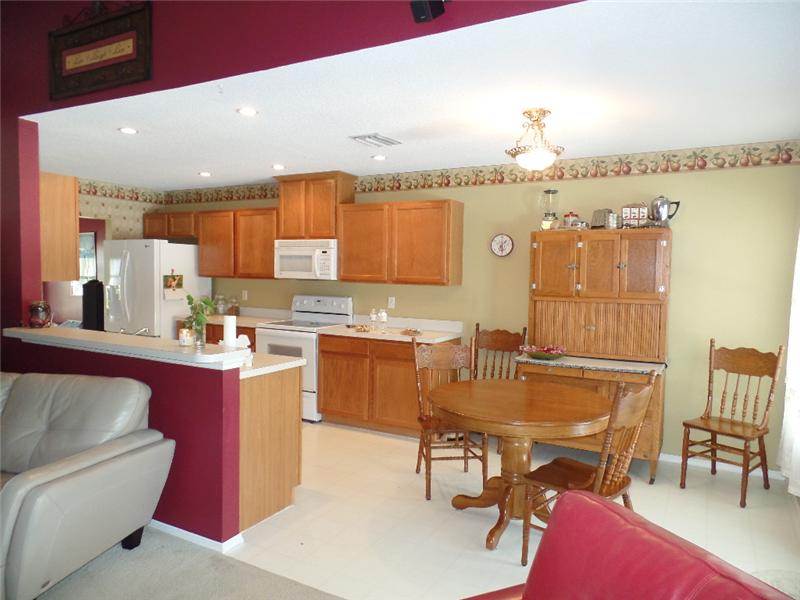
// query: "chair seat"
[[438, 425], [722, 426], [564, 473]]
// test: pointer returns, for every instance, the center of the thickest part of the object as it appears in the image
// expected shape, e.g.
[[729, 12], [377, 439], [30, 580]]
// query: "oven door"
[[292, 343]]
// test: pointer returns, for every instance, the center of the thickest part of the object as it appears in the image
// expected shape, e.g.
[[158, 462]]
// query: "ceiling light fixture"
[[247, 111], [278, 167], [204, 174], [533, 152], [379, 157], [128, 130]]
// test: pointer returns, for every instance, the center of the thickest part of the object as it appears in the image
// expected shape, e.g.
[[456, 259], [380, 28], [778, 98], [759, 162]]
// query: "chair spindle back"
[[624, 424], [742, 371], [436, 365], [494, 352]]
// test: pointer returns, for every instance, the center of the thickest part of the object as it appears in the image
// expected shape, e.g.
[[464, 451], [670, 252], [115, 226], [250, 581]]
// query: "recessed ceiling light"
[[379, 157], [204, 174], [247, 111], [128, 130], [278, 167]]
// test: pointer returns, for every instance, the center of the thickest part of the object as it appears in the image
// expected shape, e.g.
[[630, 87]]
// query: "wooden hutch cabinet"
[[308, 203], [603, 294], [402, 242]]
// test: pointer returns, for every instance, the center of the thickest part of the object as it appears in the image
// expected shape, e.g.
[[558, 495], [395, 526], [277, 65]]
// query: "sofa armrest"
[[510, 593], [13, 493]]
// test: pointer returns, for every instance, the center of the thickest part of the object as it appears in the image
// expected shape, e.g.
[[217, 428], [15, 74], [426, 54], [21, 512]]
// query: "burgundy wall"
[[198, 408], [192, 42]]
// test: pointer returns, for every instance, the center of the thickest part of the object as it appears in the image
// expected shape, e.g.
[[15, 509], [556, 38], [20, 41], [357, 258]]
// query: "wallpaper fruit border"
[[621, 165]]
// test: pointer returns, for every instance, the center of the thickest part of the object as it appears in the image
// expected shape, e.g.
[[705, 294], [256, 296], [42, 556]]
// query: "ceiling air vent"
[[375, 140]]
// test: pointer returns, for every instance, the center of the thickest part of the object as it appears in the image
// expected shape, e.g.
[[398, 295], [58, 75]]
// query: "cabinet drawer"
[[548, 370], [392, 350], [335, 343], [616, 376]]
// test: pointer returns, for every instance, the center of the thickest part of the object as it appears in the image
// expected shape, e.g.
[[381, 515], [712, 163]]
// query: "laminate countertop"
[[393, 334], [595, 364]]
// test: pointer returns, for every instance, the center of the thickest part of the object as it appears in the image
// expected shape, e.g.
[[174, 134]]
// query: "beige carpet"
[[168, 568]]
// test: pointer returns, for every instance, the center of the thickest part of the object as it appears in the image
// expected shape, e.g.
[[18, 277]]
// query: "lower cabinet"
[[605, 382], [368, 383], [214, 333]]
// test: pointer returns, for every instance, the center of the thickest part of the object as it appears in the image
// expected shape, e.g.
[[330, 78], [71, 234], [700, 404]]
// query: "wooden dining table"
[[519, 412]]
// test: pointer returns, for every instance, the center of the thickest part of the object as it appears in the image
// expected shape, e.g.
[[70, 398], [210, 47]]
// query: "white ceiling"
[[619, 77]]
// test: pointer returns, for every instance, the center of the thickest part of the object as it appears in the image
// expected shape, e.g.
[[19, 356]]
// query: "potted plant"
[[198, 317]]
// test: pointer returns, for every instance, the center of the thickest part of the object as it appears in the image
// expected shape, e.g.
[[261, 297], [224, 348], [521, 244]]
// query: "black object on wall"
[[93, 305], [426, 10]]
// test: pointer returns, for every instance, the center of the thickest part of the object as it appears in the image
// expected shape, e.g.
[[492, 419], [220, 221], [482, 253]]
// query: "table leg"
[[515, 463], [490, 496]]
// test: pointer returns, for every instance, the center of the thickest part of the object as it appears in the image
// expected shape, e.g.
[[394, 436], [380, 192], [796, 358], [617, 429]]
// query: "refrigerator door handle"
[[126, 261]]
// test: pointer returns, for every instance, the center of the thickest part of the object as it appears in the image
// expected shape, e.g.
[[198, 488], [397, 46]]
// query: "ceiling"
[[619, 77]]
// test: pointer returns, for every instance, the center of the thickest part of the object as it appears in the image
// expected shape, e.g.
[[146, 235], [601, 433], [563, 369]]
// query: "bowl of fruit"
[[544, 352]]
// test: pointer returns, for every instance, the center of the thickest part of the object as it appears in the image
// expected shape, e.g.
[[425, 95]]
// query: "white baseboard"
[[198, 539], [700, 462]]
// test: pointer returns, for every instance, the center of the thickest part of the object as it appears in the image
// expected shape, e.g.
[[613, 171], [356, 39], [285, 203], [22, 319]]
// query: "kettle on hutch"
[[660, 211]]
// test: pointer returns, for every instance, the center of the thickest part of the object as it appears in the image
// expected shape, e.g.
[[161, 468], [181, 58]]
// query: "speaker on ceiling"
[[426, 10]]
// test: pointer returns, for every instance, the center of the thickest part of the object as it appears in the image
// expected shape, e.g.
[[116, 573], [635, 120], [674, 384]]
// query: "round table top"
[[516, 408]]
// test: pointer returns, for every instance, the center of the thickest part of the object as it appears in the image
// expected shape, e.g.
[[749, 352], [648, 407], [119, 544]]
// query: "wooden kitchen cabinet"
[[254, 235], [402, 242], [215, 333], [215, 237], [169, 225], [363, 234], [601, 293], [368, 383], [308, 202], [605, 382], [59, 216], [154, 226]]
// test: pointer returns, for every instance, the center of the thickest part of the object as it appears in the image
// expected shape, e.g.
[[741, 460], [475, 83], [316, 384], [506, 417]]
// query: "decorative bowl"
[[544, 352]]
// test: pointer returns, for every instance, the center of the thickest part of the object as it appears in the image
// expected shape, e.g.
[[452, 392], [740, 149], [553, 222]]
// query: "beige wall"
[[733, 253]]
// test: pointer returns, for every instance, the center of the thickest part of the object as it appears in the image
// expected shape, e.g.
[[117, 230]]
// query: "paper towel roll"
[[229, 330]]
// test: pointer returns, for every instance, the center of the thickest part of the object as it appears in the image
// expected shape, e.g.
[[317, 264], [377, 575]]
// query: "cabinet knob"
[[591, 327], [572, 266], [621, 265], [523, 378]]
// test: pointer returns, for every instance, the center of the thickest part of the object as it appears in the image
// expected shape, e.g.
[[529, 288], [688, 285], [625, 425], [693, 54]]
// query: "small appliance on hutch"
[[299, 337]]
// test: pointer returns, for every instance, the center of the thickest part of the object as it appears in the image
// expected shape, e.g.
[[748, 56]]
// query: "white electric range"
[[299, 337]]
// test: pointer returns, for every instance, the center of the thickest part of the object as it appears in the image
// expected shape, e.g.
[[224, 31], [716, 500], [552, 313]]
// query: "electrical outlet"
[[391, 302], [244, 294]]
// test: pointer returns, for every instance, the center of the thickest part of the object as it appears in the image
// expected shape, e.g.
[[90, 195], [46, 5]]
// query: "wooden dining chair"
[[733, 415], [608, 478], [436, 365], [493, 353]]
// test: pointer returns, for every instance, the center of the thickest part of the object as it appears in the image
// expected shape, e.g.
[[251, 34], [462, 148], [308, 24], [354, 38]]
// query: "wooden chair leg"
[[484, 457], [419, 451], [428, 466], [626, 500], [684, 456], [526, 524], [745, 473], [466, 452], [762, 452], [713, 453]]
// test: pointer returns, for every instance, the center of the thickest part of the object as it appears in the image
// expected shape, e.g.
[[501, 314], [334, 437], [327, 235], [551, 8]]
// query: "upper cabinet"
[[170, 225], [59, 216], [308, 203], [237, 243], [601, 292], [402, 242]]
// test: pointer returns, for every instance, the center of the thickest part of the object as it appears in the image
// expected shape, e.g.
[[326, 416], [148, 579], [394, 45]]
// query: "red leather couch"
[[594, 548]]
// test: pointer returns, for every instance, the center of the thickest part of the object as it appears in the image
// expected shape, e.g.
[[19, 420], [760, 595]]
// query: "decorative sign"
[[105, 51]]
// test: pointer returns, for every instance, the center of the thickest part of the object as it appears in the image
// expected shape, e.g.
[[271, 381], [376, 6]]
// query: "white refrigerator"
[[146, 284]]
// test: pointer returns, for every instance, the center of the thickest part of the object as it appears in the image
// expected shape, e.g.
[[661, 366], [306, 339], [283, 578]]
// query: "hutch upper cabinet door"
[[599, 264], [554, 268], [644, 266]]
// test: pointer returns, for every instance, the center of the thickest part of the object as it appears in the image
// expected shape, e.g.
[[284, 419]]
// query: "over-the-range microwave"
[[305, 259]]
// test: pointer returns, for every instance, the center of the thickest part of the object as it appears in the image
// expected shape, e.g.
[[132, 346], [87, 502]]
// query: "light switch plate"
[[244, 294], [391, 302]]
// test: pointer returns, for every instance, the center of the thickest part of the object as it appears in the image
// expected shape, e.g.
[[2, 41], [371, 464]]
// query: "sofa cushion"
[[49, 417], [5, 477], [6, 381], [595, 548]]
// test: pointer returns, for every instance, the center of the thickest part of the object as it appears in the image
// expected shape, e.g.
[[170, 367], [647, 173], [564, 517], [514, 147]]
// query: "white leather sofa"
[[80, 472]]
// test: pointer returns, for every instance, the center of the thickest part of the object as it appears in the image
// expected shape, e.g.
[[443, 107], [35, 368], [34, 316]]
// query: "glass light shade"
[[536, 159]]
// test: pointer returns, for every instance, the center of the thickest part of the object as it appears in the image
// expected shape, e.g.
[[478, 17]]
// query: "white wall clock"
[[501, 244]]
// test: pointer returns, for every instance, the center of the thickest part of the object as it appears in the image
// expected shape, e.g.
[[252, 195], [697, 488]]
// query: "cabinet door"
[[320, 218], [215, 243], [557, 323], [601, 327], [643, 272], [255, 242], [641, 331], [214, 333], [291, 214], [250, 332], [599, 262], [363, 242], [554, 265], [181, 225], [344, 377], [154, 226], [394, 385], [58, 227], [420, 238]]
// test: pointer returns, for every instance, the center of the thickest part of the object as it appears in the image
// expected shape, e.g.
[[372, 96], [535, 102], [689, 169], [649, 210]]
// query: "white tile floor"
[[361, 528]]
